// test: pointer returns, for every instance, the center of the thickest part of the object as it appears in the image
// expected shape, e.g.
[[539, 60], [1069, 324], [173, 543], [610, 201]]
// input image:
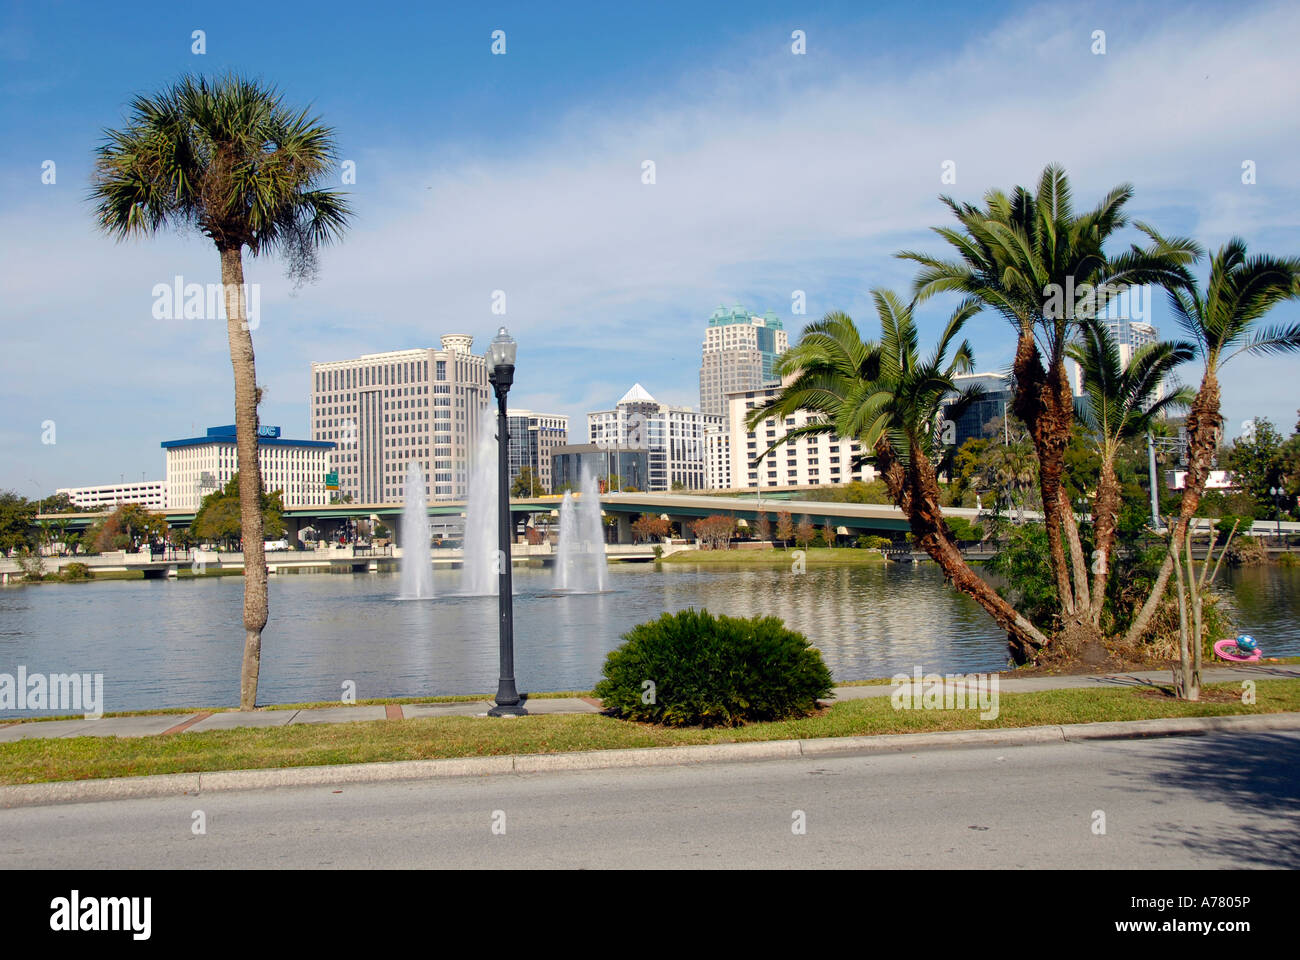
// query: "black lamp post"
[[501, 374], [1277, 493]]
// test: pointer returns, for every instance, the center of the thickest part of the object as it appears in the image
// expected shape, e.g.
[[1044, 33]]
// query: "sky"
[[522, 172]]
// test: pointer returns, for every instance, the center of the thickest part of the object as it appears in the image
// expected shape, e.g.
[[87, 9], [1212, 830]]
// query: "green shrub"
[[695, 668], [76, 571], [873, 542], [1287, 559]]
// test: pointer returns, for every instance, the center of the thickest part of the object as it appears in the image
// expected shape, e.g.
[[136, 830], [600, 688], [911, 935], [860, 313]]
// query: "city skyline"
[[472, 203]]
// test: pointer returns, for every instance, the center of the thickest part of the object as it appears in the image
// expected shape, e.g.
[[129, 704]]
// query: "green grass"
[[813, 556], [81, 758]]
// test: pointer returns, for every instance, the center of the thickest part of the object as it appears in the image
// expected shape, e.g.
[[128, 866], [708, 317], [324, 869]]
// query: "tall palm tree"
[[1222, 323], [891, 399], [1119, 402], [1022, 255], [229, 159]]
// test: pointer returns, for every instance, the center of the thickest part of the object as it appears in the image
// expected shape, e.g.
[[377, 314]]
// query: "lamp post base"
[[515, 710]]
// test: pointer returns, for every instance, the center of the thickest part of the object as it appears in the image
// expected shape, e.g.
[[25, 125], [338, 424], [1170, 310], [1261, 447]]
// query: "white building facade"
[[198, 466], [385, 410], [805, 462], [672, 436], [150, 494]]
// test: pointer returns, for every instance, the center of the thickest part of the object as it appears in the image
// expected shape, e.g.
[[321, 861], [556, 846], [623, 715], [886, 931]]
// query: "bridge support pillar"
[[624, 528]]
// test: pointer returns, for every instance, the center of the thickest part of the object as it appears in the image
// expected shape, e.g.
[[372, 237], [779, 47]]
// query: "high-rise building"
[[672, 436], [740, 351], [198, 466], [386, 409], [979, 416], [810, 461], [1129, 335], [533, 440]]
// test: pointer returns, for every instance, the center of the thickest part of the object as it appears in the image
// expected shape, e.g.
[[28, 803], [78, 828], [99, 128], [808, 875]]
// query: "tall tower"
[[740, 351]]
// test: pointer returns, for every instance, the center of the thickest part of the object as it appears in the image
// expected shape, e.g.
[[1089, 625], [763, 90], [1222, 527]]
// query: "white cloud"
[[781, 173]]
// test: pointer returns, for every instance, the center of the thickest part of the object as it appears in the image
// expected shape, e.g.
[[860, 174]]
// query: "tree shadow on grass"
[[1256, 777]]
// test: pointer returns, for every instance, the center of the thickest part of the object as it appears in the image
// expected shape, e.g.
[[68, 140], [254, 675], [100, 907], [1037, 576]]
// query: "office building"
[[740, 351], [983, 415], [384, 410], [198, 466], [673, 437], [614, 468], [805, 462], [534, 437]]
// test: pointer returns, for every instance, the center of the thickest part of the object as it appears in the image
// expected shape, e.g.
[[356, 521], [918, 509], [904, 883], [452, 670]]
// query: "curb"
[[183, 784]]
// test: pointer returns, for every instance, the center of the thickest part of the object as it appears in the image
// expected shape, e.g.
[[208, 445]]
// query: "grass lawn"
[[779, 558], [80, 758]]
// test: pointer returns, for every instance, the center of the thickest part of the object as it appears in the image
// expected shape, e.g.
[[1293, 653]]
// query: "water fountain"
[[479, 573], [417, 565], [580, 553]]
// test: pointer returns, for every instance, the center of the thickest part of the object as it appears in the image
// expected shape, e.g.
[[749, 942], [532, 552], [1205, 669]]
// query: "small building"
[[628, 466]]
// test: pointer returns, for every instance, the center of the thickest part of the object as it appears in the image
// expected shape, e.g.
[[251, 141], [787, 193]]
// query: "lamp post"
[[1277, 493], [501, 374]]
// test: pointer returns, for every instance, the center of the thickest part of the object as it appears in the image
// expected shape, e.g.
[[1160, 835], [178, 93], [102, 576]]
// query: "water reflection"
[[179, 643]]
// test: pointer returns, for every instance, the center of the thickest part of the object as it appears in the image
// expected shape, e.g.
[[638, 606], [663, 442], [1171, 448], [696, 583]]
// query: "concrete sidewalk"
[[200, 721]]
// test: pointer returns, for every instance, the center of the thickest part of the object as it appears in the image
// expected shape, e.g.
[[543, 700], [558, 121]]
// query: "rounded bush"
[[76, 571], [692, 668]]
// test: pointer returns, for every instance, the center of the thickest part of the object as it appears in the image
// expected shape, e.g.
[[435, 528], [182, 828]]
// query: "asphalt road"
[[1210, 801]]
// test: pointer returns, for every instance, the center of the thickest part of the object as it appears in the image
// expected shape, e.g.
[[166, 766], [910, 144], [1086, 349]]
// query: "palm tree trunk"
[[1039, 403], [1078, 565], [1105, 511], [916, 491], [250, 473], [1204, 429]]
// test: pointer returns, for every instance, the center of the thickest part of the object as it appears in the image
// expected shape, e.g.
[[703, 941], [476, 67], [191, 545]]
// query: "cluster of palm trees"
[[1013, 256]]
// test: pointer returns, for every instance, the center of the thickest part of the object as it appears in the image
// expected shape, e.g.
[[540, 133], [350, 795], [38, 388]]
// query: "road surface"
[[1210, 801]]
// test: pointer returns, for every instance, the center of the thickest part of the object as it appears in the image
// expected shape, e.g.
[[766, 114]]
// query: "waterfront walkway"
[[199, 721]]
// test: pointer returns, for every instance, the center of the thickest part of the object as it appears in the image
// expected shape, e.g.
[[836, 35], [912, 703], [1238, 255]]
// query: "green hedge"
[[692, 668]]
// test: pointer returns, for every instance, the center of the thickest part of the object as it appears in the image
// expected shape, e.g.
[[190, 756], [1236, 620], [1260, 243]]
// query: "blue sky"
[[522, 173]]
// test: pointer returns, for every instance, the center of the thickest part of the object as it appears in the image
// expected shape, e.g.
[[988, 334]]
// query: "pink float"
[[1227, 650]]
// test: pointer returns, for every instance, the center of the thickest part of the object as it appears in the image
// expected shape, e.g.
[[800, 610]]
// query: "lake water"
[[162, 643]]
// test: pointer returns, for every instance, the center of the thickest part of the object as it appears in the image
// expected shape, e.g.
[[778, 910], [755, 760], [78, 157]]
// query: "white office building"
[[805, 462], [386, 409], [1129, 335], [198, 466], [672, 436], [150, 494]]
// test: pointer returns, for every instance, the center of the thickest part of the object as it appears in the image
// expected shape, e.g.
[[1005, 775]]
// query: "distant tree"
[[1255, 460], [803, 533], [219, 518], [828, 534], [58, 503], [17, 514], [650, 527], [526, 484], [128, 525], [784, 527], [763, 527], [715, 531]]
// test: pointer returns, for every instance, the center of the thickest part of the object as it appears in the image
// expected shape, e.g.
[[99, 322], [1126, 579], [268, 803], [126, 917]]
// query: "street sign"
[[332, 480]]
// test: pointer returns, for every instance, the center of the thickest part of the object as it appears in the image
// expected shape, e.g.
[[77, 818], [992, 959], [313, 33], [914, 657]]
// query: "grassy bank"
[[813, 556], [41, 760]]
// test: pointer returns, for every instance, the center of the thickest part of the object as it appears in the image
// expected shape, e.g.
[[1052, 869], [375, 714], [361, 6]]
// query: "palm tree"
[[1031, 259], [889, 398], [1222, 324], [229, 159], [1119, 402]]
